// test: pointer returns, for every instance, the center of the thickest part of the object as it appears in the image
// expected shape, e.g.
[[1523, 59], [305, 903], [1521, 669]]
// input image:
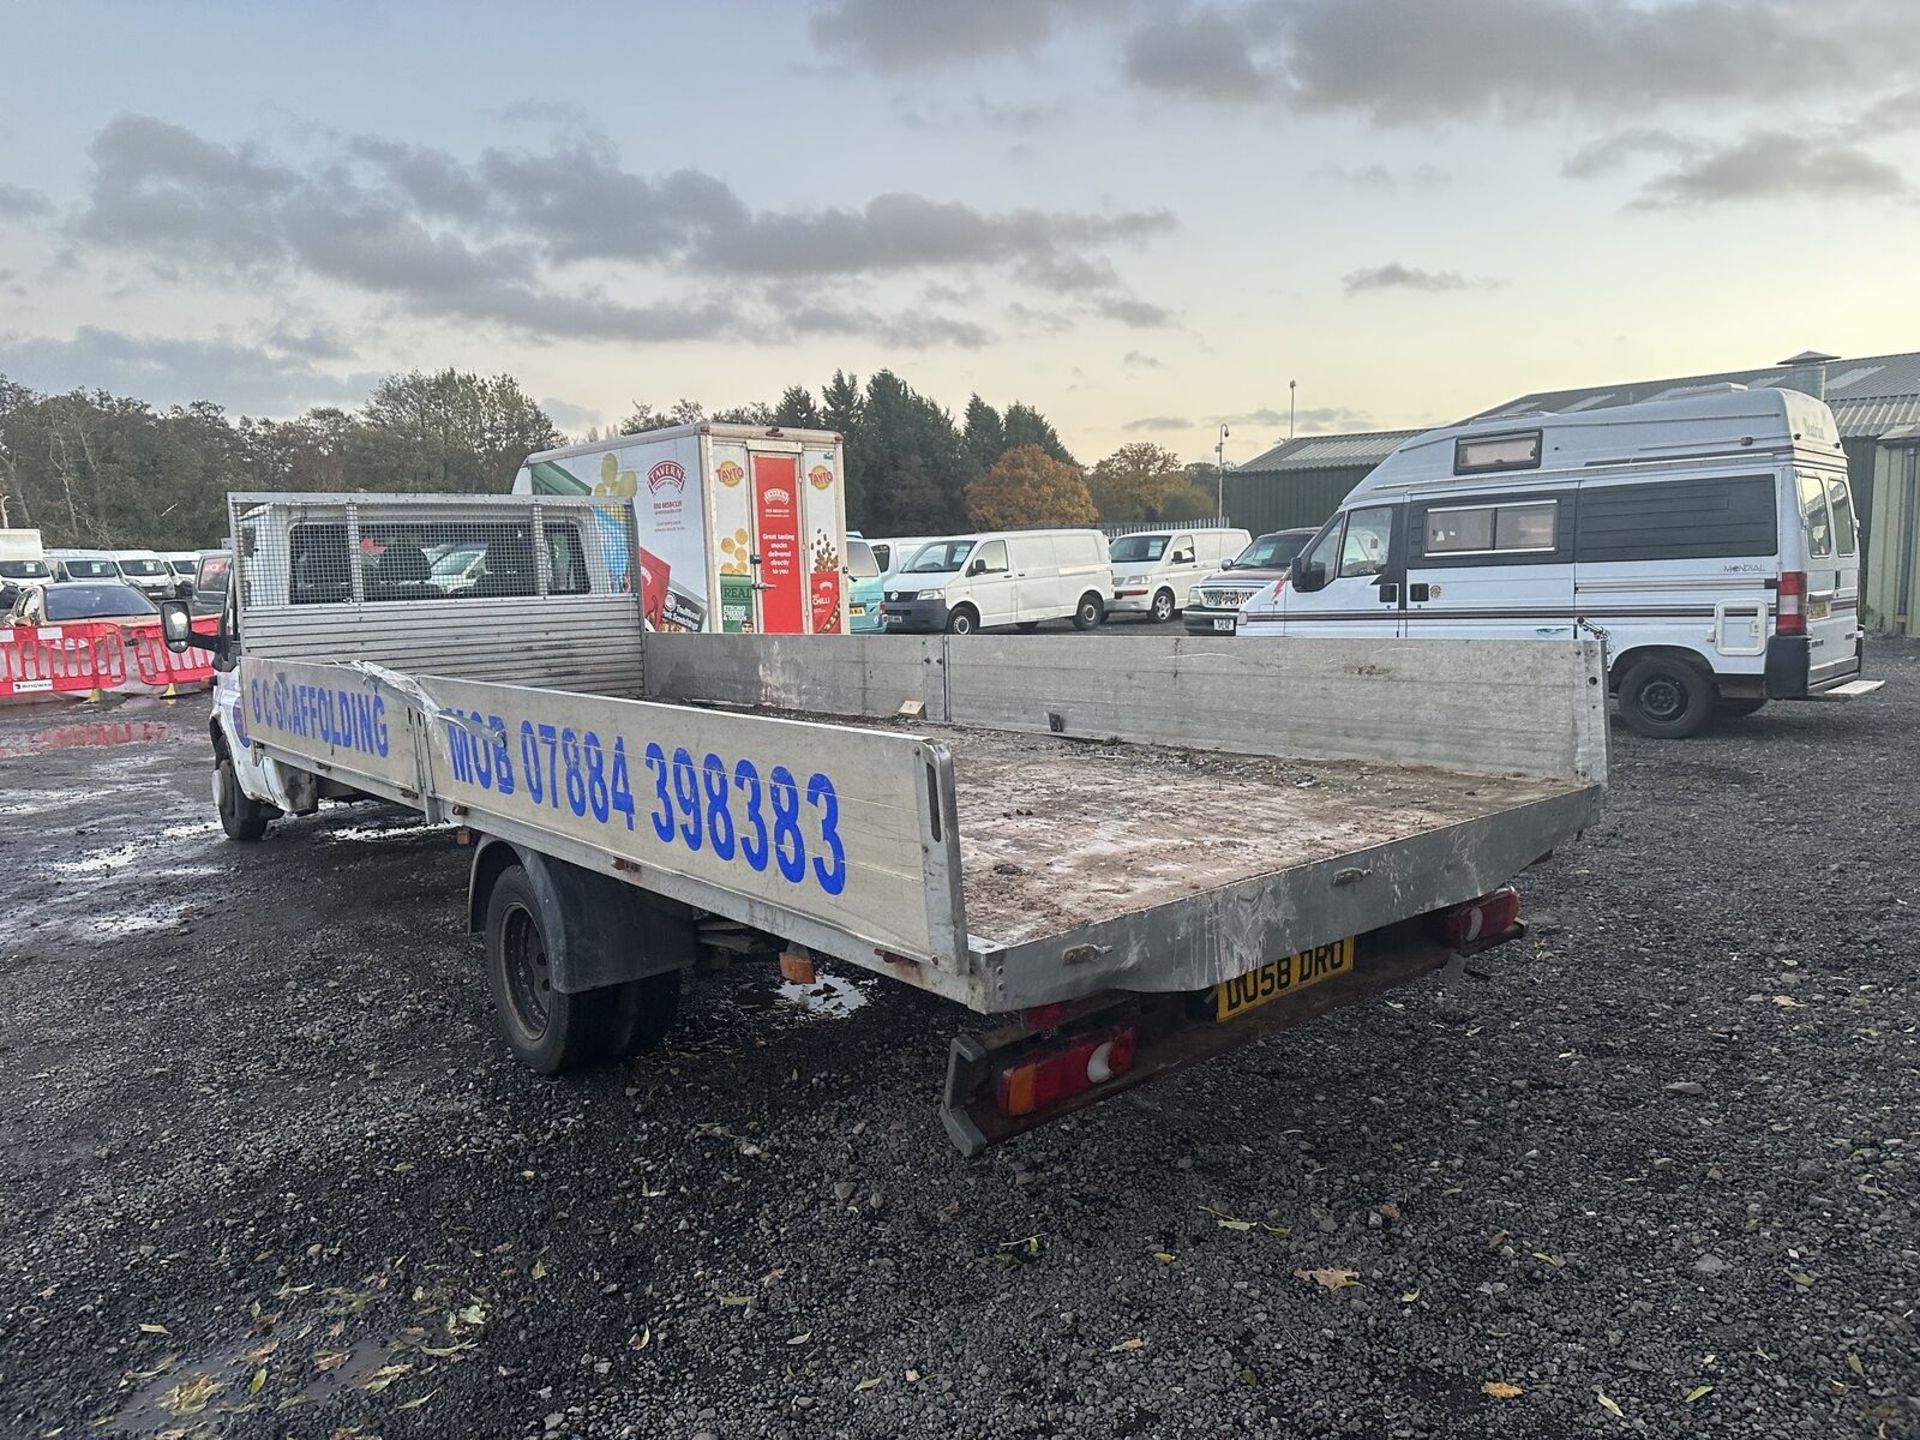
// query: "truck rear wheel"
[[1666, 698], [547, 1030], [240, 817]]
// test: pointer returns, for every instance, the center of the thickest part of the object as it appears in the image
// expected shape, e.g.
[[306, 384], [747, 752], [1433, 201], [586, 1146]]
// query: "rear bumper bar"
[[1172, 1031]]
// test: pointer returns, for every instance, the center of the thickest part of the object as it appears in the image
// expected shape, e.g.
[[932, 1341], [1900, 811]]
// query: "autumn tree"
[[1137, 481], [1028, 487]]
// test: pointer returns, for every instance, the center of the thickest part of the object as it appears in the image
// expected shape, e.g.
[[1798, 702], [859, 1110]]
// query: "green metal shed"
[[1301, 482]]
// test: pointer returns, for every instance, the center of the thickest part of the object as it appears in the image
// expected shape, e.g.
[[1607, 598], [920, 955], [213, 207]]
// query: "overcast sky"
[[1143, 217]]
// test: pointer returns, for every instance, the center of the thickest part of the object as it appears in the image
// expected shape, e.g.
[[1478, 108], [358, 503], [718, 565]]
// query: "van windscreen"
[[940, 556], [1135, 548]]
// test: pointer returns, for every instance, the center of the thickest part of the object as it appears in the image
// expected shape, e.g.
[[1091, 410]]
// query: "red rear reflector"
[[1484, 918], [1046, 1080], [1791, 616], [1045, 1017]]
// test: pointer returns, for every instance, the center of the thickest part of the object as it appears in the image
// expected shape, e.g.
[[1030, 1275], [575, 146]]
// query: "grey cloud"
[[572, 418], [1031, 319], [1772, 164], [1203, 56], [317, 342], [1020, 119], [1323, 418], [911, 330], [1611, 152], [1159, 422], [893, 35], [19, 203], [480, 242], [1379, 177], [1140, 360], [1395, 276], [1134, 314], [168, 371]]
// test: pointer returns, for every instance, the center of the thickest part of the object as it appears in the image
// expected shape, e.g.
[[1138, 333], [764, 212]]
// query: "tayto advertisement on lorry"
[[733, 524], [826, 555], [776, 512]]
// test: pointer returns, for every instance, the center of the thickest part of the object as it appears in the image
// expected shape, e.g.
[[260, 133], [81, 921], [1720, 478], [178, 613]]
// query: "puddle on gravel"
[[377, 831], [89, 734], [830, 997], [102, 862]]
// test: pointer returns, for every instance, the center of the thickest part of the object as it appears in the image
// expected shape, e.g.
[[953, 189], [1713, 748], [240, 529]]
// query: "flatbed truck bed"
[[1131, 852]]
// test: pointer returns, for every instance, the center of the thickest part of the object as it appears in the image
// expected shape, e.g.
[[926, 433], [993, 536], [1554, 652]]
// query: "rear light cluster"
[[1482, 919], [1046, 1080], [1791, 618]]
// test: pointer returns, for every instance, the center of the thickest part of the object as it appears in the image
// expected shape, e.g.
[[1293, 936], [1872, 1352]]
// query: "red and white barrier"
[[91, 659]]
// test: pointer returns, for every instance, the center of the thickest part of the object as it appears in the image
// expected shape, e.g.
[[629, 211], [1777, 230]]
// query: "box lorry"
[[743, 529], [23, 562], [1005, 824]]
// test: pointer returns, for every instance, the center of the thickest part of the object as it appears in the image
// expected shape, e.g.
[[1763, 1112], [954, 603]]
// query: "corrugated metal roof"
[[1320, 452], [1867, 394]]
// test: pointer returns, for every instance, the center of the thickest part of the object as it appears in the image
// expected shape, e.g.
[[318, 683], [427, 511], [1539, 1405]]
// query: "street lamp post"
[[1291, 386], [1220, 476]]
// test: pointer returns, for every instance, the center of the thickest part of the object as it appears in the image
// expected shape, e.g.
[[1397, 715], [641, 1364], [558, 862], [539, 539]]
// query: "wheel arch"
[[599, 930], [1619, 665]]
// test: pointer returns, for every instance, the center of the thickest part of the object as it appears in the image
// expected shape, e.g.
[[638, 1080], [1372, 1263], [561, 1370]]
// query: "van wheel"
[[1089, 613], [1665, 697], [652, 1005], [963, 621], [240, 817], [547, 1031], [1163, 606], [1738, 707]]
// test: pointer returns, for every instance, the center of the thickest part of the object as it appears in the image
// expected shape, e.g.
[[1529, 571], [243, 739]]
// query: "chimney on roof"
[[1807, 373]]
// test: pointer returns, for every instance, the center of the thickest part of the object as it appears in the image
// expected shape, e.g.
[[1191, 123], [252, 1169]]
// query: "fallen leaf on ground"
[[1697, 1392], [190, 1396], [1133, 1343], [418, 1400], [259, 1379], [642, 1340], [736, 1299], [1607, 1404], [384, 1376], [1165, 1257], [1410, 1296], [801, 1338], [539, 1269], [1787, 1002], [1800, 1278], [441, 1352], [147, 1327], [1331, 1278], [1853, 1364], [1501, 1389], [330, 1359], [866, 1385], [1546, 1259], [1389, 1211]]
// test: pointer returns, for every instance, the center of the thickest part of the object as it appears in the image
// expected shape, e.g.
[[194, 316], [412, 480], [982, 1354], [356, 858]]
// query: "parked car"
[[1213, 605], [61, 602], [22, 562], [1708, 538], [864, 587], [84, 565], [145, 569], [1002, 577], [1154, 569], [184, 564]]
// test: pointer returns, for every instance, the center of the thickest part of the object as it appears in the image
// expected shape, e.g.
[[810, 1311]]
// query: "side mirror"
[[978, 567], [1308, 574], [1226, 564], [176, 628]]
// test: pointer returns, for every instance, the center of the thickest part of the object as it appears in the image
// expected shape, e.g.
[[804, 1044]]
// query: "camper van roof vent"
[[1687, 392]]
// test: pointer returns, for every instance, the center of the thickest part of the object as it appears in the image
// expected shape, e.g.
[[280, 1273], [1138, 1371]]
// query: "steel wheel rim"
[[527, 976], [1663, 698]]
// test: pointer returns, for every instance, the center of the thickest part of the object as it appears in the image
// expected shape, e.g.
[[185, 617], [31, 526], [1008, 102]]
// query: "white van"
[[84, 565], [1708, 539], [1154, 569], [1001, 577], [893, 553], [146, 572], [22, 563]]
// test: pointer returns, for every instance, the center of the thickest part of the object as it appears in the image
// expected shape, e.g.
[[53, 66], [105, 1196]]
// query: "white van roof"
[[1714, 422]]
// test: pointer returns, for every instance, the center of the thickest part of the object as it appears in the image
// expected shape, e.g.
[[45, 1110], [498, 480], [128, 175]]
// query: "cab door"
[[1349, 581], [990, 584]]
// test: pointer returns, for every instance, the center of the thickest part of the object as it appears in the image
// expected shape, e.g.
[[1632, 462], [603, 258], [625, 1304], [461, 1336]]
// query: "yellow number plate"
[[1819, 607], [856, 609], [1281, 977]]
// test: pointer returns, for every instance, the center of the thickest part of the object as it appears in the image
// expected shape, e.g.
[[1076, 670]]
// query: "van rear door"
[[1832, 560]]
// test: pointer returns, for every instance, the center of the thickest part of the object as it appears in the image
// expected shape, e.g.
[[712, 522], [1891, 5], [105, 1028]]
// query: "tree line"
[[88, 468]]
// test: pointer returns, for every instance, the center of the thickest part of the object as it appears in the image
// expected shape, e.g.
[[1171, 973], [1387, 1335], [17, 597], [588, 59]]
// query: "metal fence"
[[1116, 529]]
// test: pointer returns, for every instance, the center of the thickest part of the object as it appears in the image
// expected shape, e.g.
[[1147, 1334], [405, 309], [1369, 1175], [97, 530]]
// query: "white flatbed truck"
[[1133, 852]]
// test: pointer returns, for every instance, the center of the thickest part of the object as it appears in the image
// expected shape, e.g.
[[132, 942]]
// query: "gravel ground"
[[261, 1154]]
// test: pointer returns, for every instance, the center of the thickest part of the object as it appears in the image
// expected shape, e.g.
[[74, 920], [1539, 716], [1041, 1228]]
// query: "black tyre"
[[240, 817], [963, 620], [1665, 697], [1163, 610], [1738, 707], [650, 1007], [547, 1031], [1089, 612]]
